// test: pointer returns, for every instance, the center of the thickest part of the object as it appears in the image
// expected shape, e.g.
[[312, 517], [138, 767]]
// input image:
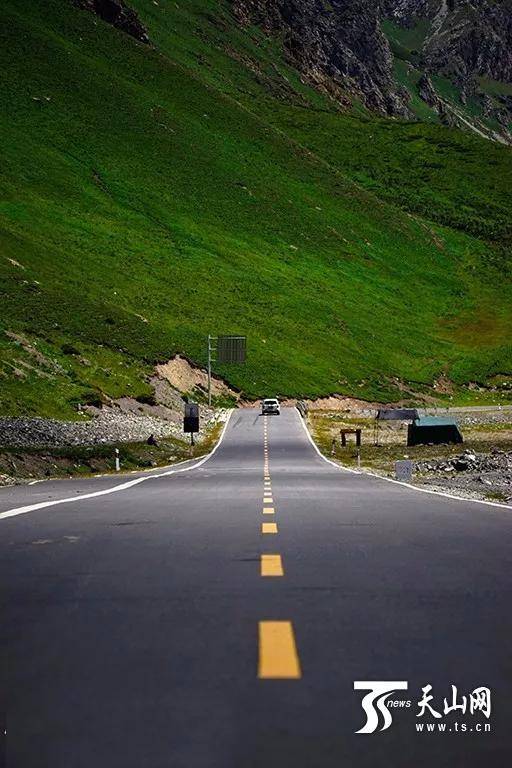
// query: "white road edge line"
[[122, 487], [397, 482], [317, 449]]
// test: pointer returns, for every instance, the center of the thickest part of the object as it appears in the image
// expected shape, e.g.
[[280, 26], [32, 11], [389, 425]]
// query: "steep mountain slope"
[[151, 194]]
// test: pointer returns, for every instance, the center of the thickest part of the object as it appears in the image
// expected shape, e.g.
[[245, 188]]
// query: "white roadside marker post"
[[118, 465]]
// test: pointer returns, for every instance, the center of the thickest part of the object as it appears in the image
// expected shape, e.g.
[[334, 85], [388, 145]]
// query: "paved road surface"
[[138, 631]]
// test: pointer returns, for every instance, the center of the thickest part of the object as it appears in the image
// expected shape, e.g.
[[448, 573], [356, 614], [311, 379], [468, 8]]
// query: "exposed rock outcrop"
[[339, 47], [115, 12], [427, 92], [467, 38], [340, 42]]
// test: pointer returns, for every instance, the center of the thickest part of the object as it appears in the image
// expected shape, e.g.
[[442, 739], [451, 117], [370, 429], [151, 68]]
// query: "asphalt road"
[[140, 628]]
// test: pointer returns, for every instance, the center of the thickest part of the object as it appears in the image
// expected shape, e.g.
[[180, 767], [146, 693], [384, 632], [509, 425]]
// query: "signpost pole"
[[209, 369]]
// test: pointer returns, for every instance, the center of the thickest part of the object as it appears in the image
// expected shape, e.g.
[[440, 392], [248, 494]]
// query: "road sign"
[[231, 349], [191, 418]]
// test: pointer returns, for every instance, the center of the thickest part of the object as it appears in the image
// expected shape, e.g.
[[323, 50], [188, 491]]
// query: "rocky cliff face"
[[340, 47], [467, 40], [467, 37], [115, 12]]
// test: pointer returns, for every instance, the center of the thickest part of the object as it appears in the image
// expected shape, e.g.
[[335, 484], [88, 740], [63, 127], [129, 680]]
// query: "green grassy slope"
[[152, 195]]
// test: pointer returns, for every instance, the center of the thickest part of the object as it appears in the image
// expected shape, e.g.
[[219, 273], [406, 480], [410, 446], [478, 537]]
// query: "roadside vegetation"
[[151, 195]]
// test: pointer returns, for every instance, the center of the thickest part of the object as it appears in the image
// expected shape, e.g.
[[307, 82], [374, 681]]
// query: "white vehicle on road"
[[270, 405]]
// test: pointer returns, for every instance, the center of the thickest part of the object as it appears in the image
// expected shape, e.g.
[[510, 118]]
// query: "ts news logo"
[[374, 703]]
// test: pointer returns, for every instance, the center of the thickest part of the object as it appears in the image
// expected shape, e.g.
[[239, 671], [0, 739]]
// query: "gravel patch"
[[477, 475], [108, 426]]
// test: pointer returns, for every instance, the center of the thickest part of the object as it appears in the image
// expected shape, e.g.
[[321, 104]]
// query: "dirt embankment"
[[185, 377]]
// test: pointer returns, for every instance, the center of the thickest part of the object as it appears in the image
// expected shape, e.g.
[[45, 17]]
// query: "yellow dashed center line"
[[278, 659], [269, 527], [271, 565]]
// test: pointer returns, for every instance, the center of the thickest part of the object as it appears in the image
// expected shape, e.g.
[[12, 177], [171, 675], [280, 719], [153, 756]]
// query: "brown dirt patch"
[[185, 377]]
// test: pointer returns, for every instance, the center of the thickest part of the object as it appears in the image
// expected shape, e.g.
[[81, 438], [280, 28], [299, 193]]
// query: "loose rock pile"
[[496, 461], [484, 417], [488, 475], [109, 426]]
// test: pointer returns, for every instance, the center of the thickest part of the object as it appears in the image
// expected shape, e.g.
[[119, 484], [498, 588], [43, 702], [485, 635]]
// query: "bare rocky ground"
[[475, 475]]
